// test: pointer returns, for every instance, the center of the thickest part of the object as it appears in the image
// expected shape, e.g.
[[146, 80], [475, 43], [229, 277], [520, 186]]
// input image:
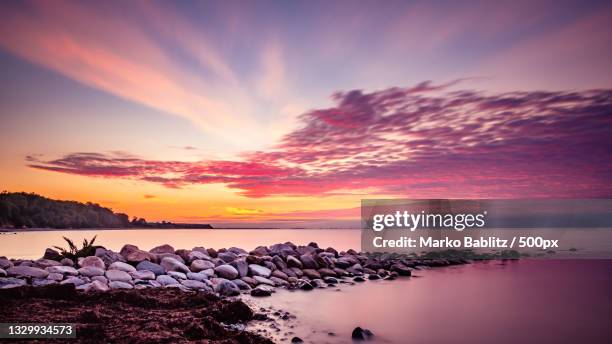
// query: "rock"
[[296, 340], [42, 282], [401, 270], [312, 274], [226, 271], [250, 281], [166, 280], [122, 267], [261, 291], [330, 280], [340, 272], [27, 271], [292, 280], [193, 255], [142, 275], [289, 272], [52, 255], [5, 263], [227, 288], [361, 334], [280, 274], [63, 270], [101, 279], [308, 262], [184, 254], [11, 282], [278, 282], [197, 276], [241, 266], [258, 270], [327, 272], [251, 259], [199, 265], [138, 256], [171, 264], [208, 272], [293, 262], [260, 251], [120, 284], [305, 285], [96, 286], [242, 285], [109, 257], [263, 280], [227, 257], [2, 273], [237, 250], [67, 262], [298, 272], [118, 275], [177, 275], [92, 261], [91, 271], [279, 262], [212, 252], [192, 284], [359, 279], [45, 263], [332, 251], [373, 277], [154, 268], [162, 249], [73, 280]]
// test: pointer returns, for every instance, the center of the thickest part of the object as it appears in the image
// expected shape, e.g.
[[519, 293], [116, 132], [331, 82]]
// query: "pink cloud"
[[424, 142]]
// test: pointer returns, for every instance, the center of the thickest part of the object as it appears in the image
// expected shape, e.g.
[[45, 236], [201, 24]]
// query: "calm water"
[[545, 301]]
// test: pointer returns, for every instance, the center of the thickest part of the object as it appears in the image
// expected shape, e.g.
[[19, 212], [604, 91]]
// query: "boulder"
[[289, 272], [177, 275], [279, 262], [193, 284], [401, 269], [298, 272], [184, 254], [122, 267], [52, 255], [261, 291], [27, 271], [283, 250], [226, 271], [96, 286], [228, 257], [278, 281], [327, 272], [200, 264], [154, 268], [293, 262], [5, 263], [100, 279], [138, 256], [64, 270], [120, 284], [258, 270], [108, 256], [67, 262], [241, 266], [260, 251], [242, 285], [212, 252], [263, 280], [171, 264], [312, 274], [308, 262], [142, 275], [361, 334], [45, 263], [91, 271], [118, 275], [279, 274], [73, 280], [92, 261], [250, 281], [55, 276], [197, 276], [11, 282], [193, 255], [166, 280], [227, 288], [37, 282], [162, 249]]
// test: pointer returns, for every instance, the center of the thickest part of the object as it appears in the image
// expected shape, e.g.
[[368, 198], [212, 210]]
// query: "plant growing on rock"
[[73, 252]]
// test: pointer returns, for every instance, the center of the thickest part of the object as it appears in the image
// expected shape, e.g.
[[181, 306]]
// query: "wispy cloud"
[[422, 141]]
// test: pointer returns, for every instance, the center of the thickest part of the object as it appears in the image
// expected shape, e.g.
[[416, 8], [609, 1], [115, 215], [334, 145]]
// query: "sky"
[[277, 113]]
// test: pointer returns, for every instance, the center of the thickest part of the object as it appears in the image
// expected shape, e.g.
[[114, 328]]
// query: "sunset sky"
[[288, 113]]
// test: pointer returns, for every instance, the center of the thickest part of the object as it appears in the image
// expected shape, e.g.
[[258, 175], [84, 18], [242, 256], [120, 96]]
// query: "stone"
[[177, 275], [250, 281], [42, 282], [401, 269], [241, 266], [67, 262], [91, 271], [171, 264], [139, 256], [312, 274], [184, 254], [327, 272], [92, 261], [142, 275], [5, 263], [208, 272], [226, 271], [11, 282], [96, 286], [251, 259], [100, 279], [63, 270], [359, 279], [166, 280], [373, 277], [330, 280], [280, 274], [120, 284], [258, 270], [200, 264], [118, 275], [293, 262], [197, 276], [297, 340], [2, 273], [361, 334], [52, 255], [228, 257], [227, 288], [340, 272], [305, 285], [122, 267], [108, 257], [45, 263], [149, 266], [289, 272], [193, 284], [263, 280], [308, 262], [279, 262], [242, 285], [212, 252], [159, 257], [73, 280], [27, 271], [298, 272], [260, 251], [261, 290], [283, 250], [162, 249], [193, 255], [278, 282]]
